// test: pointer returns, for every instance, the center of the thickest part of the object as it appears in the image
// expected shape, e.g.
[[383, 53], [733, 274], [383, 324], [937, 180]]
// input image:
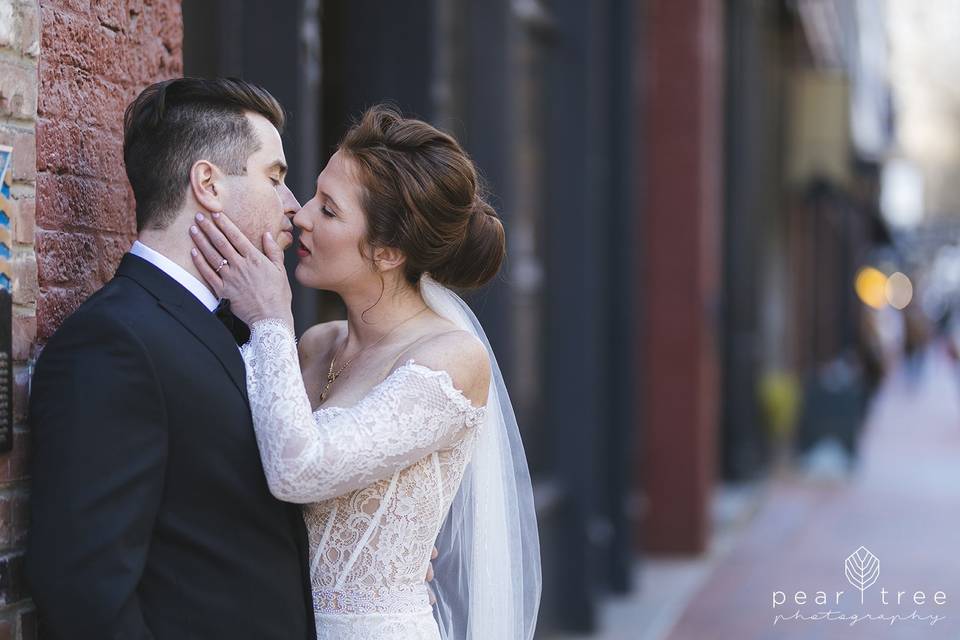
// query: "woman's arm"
[[412, 413]]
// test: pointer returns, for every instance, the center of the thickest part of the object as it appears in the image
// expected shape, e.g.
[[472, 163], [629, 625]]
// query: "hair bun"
[[423, 195], [479, 256]]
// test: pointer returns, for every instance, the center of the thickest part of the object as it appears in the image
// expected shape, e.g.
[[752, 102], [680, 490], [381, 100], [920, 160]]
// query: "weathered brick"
[[24, 167], [82, 41], [18, 90], [24, 333], [25, 285], [53, 307], [113, 14], [12, 582], [110, 250], [25, 221], [152, 59], [75, 40], [97, 56], [29, 14], [70, 202], [9, 25], [71, 94], [64, 258], [63, 146], [78, 7]]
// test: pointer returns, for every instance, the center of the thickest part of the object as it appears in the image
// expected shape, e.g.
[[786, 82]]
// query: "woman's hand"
[[255, 284]]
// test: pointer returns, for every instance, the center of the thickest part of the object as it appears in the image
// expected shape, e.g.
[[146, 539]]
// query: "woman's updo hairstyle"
[[421, 194]]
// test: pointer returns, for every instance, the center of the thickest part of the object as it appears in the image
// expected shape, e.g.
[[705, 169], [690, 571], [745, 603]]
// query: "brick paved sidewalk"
[[903, 504]]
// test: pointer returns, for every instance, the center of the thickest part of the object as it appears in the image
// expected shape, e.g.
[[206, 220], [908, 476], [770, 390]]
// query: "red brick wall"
[[19, 53], [96, 57], [681, 235], [67, 70]]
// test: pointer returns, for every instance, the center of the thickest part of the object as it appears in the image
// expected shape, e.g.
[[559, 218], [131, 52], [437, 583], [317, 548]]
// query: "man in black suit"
[[151, 516]]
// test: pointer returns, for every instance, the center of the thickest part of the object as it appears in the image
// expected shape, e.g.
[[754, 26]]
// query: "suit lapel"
[[189, 312]]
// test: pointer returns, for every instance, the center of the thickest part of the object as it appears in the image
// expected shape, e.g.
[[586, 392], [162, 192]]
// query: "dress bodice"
[[376, 478]]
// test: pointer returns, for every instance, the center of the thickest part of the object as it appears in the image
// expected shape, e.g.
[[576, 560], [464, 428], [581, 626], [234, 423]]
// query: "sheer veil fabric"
[[488, 578]]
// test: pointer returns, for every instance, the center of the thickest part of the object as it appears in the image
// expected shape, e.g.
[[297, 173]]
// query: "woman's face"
[[332, 225]]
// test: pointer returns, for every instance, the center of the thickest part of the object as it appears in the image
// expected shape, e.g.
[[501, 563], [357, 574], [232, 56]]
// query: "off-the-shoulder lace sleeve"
[[311, 457]]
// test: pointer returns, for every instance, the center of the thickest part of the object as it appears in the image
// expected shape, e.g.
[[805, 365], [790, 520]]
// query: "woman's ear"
[[387, 258], [206, 184]]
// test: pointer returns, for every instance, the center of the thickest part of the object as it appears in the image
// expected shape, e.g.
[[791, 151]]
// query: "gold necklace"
[[331, 376]]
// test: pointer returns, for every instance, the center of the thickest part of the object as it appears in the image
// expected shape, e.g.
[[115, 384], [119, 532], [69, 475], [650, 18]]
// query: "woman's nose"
[[301, 219]]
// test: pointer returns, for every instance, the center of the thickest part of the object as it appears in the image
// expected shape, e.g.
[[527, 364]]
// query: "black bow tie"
[[236, 326]]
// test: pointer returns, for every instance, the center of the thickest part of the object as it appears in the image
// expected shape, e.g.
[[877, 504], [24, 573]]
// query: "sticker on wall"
[[6, 302]]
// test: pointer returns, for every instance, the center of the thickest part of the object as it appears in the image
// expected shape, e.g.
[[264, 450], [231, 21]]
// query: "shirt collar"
[[178, 273]]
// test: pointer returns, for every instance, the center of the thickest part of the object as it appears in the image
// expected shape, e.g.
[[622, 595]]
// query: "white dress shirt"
[[178, 273]]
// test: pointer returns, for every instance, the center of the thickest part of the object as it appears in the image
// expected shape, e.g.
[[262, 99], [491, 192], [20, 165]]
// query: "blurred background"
[[727, 320]]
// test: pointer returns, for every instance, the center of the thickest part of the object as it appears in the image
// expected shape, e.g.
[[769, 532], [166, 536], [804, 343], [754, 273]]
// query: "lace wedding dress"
[[377, 479]]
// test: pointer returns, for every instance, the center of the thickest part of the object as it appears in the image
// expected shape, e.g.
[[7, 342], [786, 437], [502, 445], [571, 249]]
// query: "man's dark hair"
[[174, 123]]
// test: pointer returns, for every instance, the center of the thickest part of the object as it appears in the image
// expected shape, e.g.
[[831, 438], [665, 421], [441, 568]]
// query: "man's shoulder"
[[117, 308]]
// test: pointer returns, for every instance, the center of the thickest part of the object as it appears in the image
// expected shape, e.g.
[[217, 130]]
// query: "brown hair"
[[174, 123], [421, 194]]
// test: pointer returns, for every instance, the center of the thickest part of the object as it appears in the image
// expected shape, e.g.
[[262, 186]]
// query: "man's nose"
[[290, 204]]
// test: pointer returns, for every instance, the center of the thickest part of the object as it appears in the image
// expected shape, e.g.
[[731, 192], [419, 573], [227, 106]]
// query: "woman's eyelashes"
[[328, 212]]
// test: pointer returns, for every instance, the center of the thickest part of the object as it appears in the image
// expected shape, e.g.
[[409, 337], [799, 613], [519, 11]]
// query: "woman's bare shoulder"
[[460, 354]]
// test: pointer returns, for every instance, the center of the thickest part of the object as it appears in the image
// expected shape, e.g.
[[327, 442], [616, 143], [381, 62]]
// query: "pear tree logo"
[[862, 569]]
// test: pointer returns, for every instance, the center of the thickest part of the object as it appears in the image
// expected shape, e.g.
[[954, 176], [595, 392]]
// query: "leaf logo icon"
[[862, 569]]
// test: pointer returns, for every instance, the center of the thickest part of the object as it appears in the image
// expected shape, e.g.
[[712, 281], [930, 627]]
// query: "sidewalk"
[[902, 503]]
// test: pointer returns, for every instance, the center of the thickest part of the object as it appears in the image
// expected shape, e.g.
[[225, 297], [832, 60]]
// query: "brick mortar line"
[[17, 59], [96, 233], [21, 190], [106, 181], [23, 125]]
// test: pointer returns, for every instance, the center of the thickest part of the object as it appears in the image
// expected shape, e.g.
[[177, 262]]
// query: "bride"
[[393, 428]]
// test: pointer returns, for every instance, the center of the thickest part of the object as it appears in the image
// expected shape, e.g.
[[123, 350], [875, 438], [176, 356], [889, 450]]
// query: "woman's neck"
[[369, 320]]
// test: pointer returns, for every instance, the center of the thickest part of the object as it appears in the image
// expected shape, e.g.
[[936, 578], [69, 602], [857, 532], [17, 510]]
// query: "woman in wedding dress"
[[393, 428]]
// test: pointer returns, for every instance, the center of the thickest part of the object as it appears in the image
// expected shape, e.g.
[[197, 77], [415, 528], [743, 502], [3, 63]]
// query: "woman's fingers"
[[217, 238], [208, 252], [207, 272], [272, 250], [236, 237]]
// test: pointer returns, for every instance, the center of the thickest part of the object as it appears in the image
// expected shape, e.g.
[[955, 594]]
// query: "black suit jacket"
[[151, 516]]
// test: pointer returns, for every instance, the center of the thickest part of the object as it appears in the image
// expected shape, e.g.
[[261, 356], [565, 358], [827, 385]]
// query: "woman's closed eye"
[[327, 211]]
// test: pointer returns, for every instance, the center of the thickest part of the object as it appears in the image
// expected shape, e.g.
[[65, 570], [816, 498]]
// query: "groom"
[[151, 516]]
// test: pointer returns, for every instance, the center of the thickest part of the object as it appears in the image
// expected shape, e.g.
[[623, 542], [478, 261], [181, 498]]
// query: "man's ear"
[[387, 258], [206, 184]]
